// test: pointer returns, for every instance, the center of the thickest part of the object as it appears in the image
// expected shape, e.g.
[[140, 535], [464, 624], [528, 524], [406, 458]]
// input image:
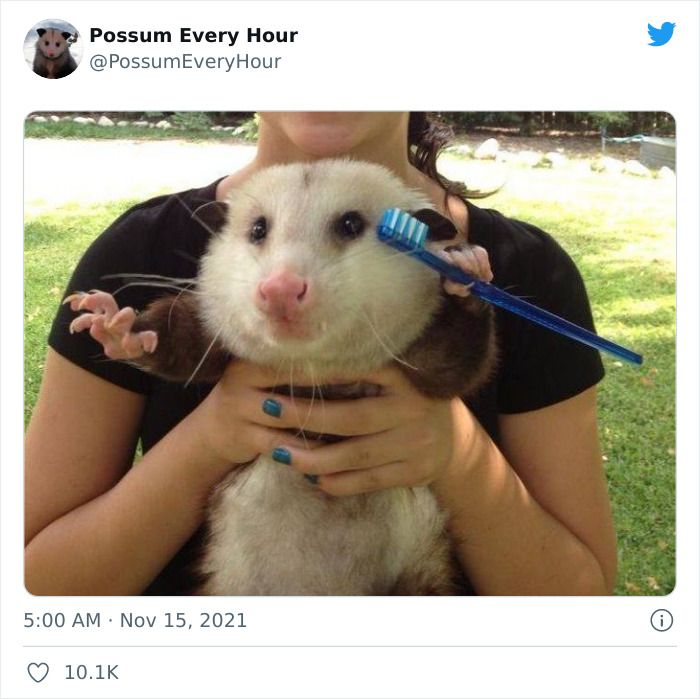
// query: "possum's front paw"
[[110, 325], [469, 258]]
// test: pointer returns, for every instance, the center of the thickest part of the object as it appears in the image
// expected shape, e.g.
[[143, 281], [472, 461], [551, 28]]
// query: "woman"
[[518, 471]]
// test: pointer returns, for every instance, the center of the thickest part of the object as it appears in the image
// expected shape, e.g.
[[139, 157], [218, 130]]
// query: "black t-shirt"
[[536, 367]]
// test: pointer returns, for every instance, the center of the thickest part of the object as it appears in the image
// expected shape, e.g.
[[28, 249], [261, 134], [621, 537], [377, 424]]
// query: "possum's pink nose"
[[283, 295]]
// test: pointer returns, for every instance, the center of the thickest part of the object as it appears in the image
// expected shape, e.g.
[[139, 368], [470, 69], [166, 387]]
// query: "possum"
[[52, 58], [296, 277]]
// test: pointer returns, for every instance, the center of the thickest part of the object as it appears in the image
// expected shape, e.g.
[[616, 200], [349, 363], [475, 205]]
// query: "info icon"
[[662, 620]]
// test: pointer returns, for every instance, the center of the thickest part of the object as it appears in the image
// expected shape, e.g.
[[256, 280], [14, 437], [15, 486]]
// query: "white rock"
[[163, 124], [105, 121], [614, 165], [122, 123], [141, 124], [66, 118], [40, 119], [665, 173], [216, 128], [54, 118], [488, 150], [606, 164], [463, 149], [84, 120], [530, 158], [553, 159], [634, 167], [229, 128]]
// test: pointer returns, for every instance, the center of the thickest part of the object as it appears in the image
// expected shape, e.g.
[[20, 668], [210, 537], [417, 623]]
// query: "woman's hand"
[[236, 422], [399, 438]]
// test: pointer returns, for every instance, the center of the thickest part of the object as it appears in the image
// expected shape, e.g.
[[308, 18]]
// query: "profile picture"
[[53, 48]]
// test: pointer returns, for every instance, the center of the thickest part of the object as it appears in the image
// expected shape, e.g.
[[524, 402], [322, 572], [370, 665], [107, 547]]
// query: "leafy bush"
[[191, 121]]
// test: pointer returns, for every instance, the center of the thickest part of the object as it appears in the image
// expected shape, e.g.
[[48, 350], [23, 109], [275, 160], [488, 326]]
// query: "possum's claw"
[[98, 302], [111, 326], [83, 322], [469, 258]]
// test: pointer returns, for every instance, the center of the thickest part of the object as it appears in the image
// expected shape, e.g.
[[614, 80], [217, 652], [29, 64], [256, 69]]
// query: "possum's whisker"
[[201, 361], [175, 300], [362, 313], [313, 395], [291, 395], [193, 213], [278, 373], [364, 250], [379, 284], [367, 251], [291, 379], [159, 277], [157, 285], [340, 264], [407, 275], [519, 296], [314, 383], [174, 283], [186, 256]]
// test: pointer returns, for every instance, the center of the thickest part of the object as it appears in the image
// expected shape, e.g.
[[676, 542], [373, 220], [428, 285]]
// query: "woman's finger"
[[390, 475], [359, 453], [346, 418], [266, 440]]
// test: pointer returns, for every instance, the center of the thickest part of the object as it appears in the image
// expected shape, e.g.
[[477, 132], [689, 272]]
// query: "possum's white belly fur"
[[273, 533]]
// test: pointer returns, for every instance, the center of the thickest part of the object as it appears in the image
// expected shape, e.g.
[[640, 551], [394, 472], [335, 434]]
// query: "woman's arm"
[[96, 526], [92, 525], [534, 519]]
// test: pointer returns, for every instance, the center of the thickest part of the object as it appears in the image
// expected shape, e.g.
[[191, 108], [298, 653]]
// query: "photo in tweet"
[[207, 240]]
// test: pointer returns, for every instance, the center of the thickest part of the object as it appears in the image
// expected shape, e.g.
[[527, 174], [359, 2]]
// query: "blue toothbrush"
[[407, 234]]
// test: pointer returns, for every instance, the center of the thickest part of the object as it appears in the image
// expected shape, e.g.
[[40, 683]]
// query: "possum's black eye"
[[258, 231], [350, 225]]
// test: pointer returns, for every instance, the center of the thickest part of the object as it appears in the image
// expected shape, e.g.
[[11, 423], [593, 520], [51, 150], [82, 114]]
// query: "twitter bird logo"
[[659, 37]]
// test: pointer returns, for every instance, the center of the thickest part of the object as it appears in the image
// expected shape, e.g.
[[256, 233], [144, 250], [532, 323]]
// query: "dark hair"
[[427, 137]]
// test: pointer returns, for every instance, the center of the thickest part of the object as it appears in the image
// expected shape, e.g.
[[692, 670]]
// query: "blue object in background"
[[661, 36]]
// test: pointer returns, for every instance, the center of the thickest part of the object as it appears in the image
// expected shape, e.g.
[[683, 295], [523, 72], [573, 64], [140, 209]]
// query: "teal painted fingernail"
[[272, 407], [311, 478], [282, 455]]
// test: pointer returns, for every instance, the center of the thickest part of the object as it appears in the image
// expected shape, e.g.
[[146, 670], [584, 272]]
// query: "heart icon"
[[38, 671]]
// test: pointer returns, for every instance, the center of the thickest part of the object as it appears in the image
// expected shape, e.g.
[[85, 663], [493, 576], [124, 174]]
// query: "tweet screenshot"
[[349, 350]]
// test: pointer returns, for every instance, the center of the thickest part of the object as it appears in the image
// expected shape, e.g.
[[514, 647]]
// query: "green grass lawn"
[[53, 243], [621, 232], [69, 129]]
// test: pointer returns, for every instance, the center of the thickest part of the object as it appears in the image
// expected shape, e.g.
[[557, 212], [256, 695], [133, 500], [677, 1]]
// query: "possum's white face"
[[52, 42], [298, 273]]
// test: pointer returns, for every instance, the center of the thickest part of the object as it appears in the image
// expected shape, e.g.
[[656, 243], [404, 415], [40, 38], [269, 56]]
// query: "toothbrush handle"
[[497, 297], [493, 295]]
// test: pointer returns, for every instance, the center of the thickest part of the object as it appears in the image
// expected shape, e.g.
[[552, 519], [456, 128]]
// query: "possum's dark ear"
[[66, 35], [41, 31], [440, 227], [211, 215]]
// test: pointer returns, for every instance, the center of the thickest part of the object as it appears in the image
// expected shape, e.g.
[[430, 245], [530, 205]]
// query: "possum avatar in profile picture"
[[52, 51]]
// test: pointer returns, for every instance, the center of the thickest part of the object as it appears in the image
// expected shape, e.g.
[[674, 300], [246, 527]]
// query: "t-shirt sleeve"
[[539, 367], [124, 248]]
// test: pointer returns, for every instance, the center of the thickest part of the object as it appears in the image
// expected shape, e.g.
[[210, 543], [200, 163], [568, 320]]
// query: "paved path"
[[61, 171]]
